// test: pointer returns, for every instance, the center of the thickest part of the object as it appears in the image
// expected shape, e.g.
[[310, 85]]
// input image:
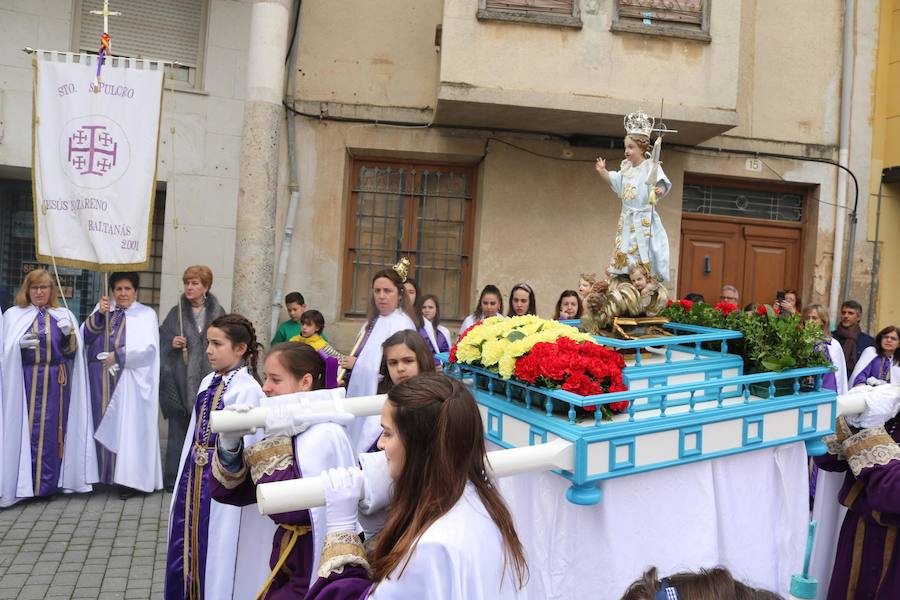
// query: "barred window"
[[675, 18], [545, 12], [170, 30], [748, 203], [421, 211]]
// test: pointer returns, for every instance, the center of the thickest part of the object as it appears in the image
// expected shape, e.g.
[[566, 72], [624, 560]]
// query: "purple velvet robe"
[[879, 368], [102, 384], [867, 561], [46, 370], [190, 512], [351, 584], [292, 580], [443, 342]]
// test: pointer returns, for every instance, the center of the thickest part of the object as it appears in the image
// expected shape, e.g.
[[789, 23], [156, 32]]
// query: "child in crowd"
[[296, 306], [423, 325], [312, 326], [288, 451], [204, 536], [522, 301], [431, 310], [568, 306], [490, 304], [708, 583], [405, 355]]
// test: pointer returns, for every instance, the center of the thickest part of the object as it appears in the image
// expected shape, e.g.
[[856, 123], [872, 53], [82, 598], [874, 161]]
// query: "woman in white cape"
[[449, 533], [389, 312], [47, 441], [124, 378]]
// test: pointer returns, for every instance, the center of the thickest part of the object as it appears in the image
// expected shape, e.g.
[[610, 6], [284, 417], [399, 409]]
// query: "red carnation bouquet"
[[583, 368]]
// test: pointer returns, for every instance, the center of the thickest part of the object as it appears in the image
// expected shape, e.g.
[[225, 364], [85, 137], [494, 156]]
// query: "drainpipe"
[[843, 153], [876, 261], [293, 184]]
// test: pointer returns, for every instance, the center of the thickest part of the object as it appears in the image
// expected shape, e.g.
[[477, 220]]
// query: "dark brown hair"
[[437, 309], [708, 584], [294, 298], [23, 297], [568, 294], [391, 274], [299, 359], [532, 303], [415, 342], [488, 289], [443, 437], [889, 329], [315, 317], [239, 330]]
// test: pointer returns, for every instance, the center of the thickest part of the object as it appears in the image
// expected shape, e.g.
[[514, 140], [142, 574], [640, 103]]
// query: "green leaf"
[[515, 335]]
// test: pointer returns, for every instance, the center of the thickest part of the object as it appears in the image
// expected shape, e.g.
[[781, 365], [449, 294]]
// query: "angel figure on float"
[[640, 183]]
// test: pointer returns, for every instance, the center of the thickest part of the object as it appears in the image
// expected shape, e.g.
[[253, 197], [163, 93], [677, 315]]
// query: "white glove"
[[231, 441], [290, 421], [65, 326], [874, 381], [343, 488], [113, 370], [29, 341]]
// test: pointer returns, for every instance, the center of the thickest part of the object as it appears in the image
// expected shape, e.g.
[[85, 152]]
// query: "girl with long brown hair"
[[449, 533]]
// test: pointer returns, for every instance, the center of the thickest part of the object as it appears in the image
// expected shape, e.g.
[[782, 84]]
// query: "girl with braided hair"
[[204, 536]]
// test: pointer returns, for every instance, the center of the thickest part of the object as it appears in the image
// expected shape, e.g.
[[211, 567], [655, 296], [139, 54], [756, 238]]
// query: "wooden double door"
[[759, 258]]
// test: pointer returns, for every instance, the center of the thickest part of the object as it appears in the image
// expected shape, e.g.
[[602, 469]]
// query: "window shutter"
[[162, 29], [553, 7], [682, 12]]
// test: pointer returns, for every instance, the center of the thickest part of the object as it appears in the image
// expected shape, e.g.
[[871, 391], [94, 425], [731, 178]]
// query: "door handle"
[[707, 265]]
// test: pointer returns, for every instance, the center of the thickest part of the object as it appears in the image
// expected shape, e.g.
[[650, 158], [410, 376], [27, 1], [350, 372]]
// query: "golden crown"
[[638, 123], [402, 268]]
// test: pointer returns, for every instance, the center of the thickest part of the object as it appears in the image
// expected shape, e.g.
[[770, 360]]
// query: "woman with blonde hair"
[[48, 441], [183, 361]]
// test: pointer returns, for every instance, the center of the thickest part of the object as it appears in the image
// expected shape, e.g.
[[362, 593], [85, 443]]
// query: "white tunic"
[[130, 427], [364, 379], [79, 466], [640, 235], [460, 556], [235, 565]]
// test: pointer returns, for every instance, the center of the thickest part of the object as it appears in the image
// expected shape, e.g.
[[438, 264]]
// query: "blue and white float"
[[687, 404]]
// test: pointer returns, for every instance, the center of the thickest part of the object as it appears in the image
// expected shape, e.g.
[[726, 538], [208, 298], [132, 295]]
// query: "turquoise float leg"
[[815, 447], [585, 494]]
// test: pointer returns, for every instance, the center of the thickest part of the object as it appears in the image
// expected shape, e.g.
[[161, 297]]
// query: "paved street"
[[84, 546]]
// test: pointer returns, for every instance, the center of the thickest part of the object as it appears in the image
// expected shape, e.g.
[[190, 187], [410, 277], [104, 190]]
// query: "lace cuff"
[[268, 455], [228, 479], [870, 448], [834, 446], [342, 548]]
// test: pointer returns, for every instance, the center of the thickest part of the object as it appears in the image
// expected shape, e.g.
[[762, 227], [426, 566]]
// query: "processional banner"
[[94, 150]]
